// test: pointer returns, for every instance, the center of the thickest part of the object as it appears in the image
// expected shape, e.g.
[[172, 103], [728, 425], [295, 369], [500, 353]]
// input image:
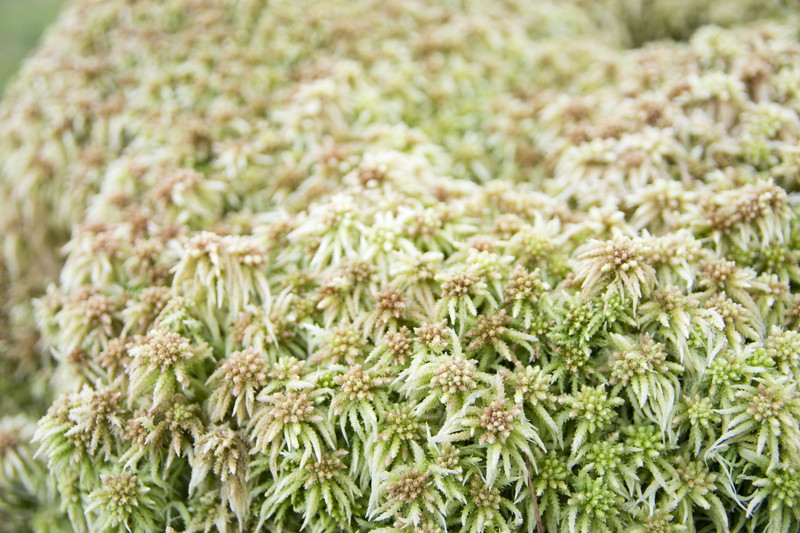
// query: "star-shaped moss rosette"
[[403, 266]]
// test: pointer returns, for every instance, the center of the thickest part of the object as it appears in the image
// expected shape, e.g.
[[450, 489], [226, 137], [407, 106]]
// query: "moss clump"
[[402, 266]]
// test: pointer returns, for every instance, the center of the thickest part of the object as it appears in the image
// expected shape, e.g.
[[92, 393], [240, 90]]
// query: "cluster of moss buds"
[[379, 265]]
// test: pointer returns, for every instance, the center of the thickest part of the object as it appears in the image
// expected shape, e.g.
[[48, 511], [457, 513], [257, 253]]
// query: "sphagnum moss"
[[403, 266]]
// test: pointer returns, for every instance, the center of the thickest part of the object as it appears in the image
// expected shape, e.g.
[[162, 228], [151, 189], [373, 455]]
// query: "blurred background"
[[21, 25]]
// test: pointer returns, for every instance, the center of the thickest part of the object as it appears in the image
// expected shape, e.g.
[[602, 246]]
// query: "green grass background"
[[21, 25]]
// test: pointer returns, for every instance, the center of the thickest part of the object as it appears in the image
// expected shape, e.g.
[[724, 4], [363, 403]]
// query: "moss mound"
[[403, 266]]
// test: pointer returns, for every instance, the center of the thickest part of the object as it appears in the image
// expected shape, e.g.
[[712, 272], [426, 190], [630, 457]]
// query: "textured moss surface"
[[403, 266]]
